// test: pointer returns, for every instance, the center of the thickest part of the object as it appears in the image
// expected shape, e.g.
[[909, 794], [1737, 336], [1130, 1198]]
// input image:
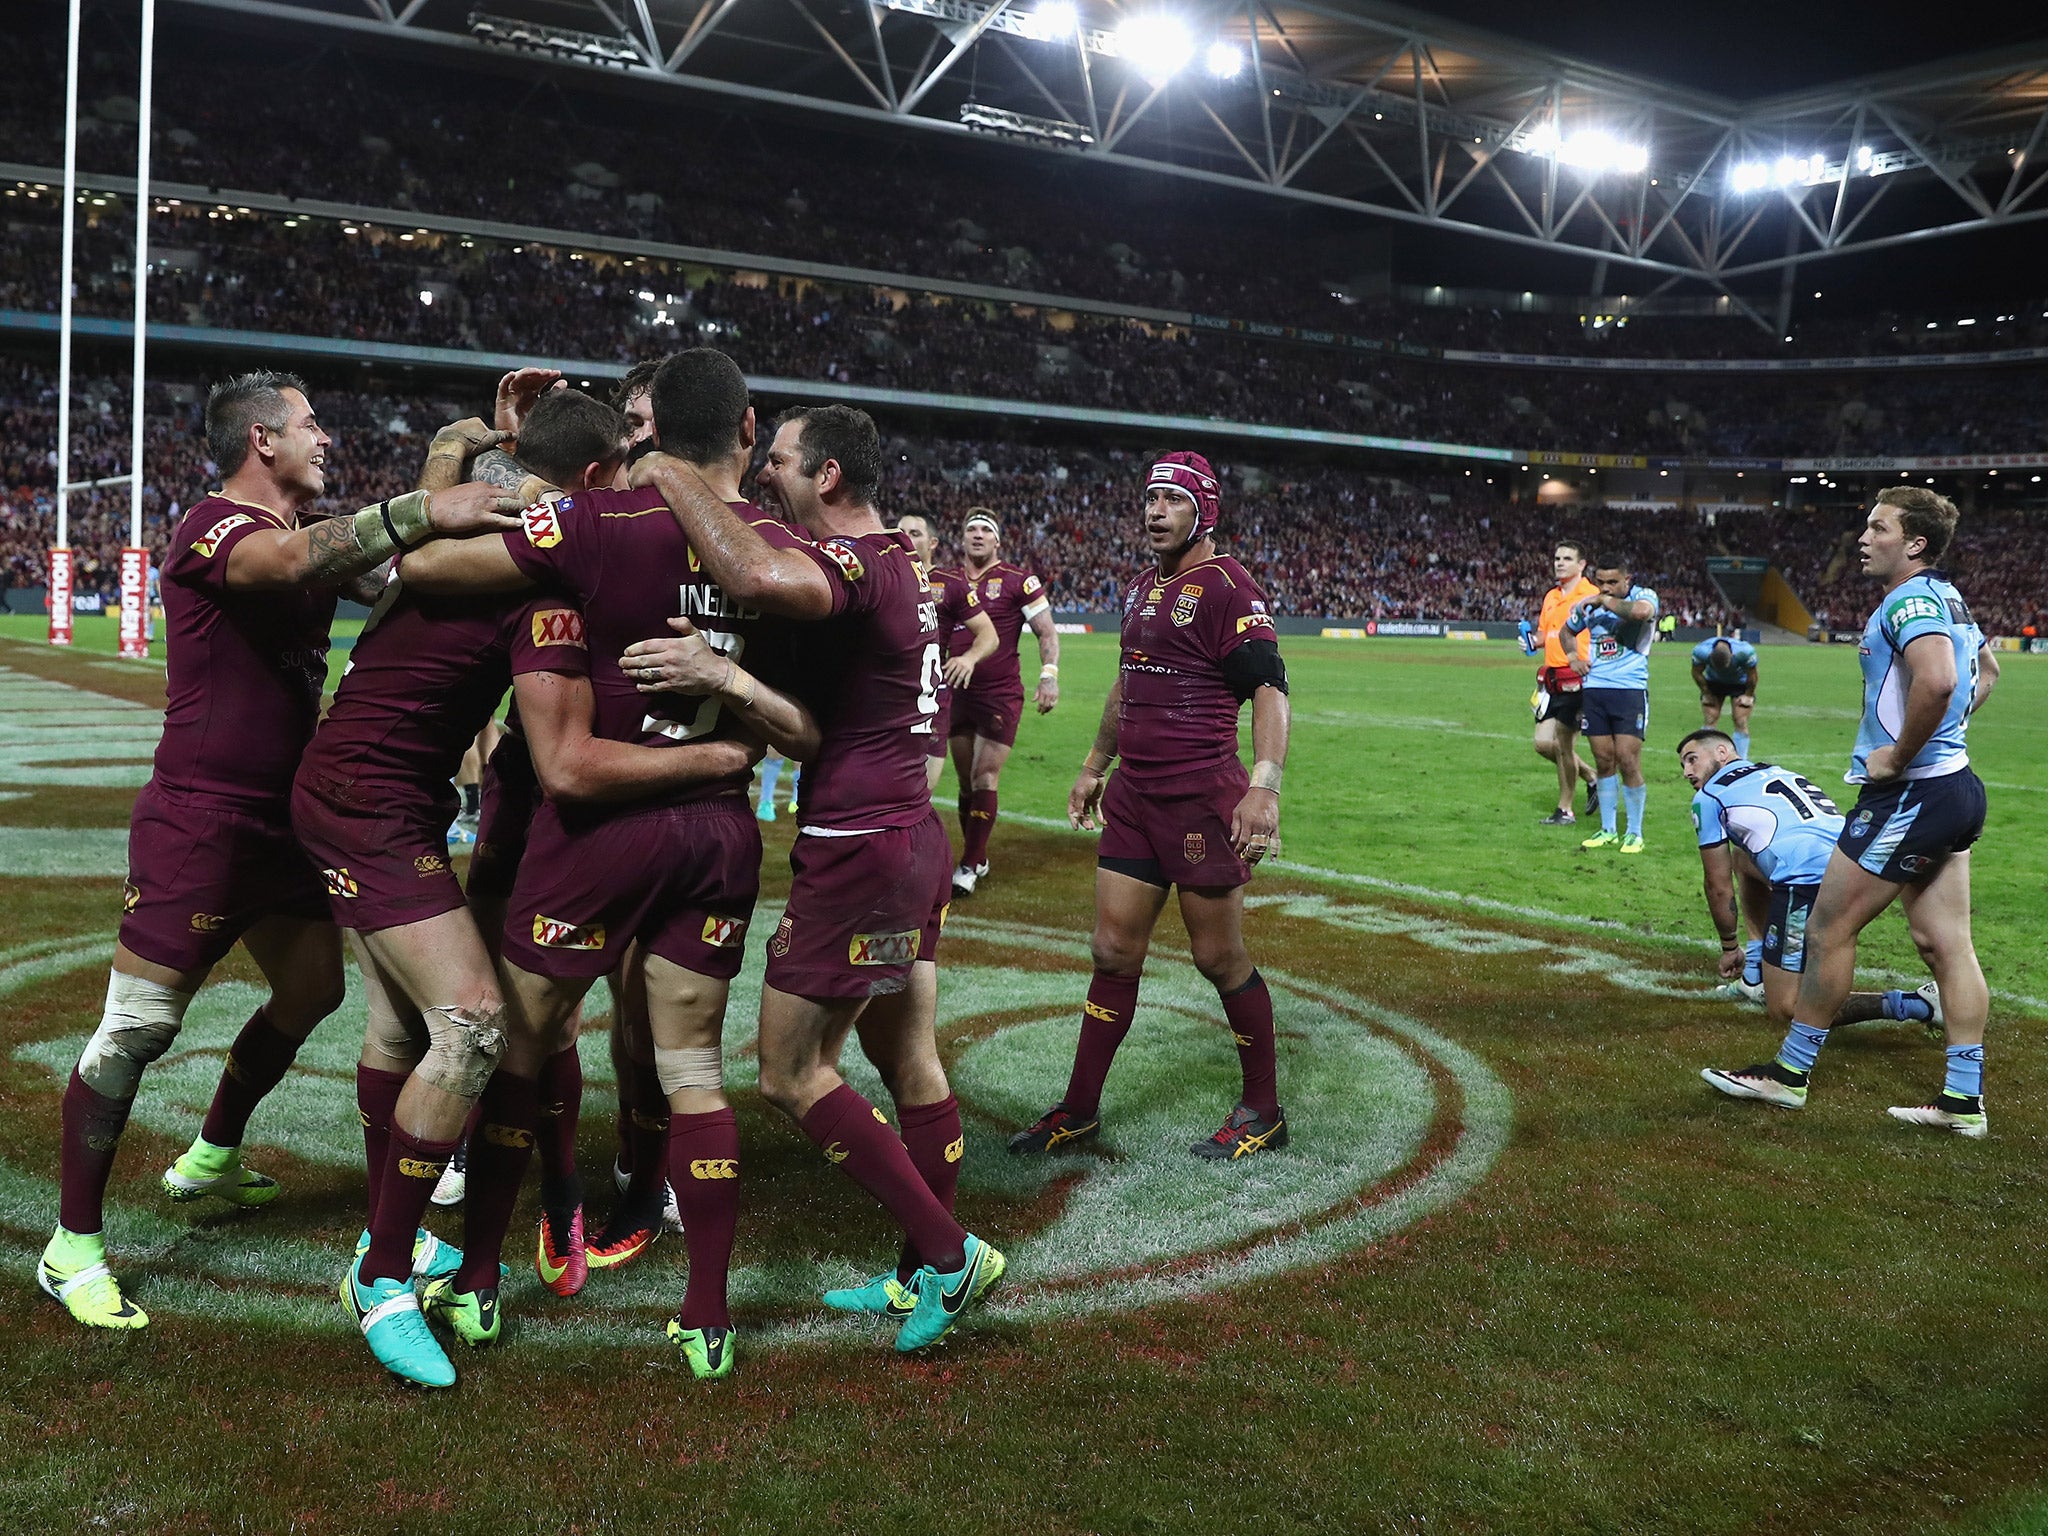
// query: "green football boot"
[[432, 1259], [1602, 840], [883, 1296], [472, 1315], [204, 1169], [942, 1299], [709, 1351], [73, 1270]]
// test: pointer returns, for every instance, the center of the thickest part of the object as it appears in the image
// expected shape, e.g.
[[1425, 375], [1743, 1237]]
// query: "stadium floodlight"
[[427, 297], [1596, 150], [1749, 176], [1055, 21], [1156, 45], [1864, 156], [1225, 60], [1542, 139]]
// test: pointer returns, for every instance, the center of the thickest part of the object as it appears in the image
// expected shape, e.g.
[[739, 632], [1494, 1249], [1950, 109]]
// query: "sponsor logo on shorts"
[[779, 945], [1915, 864], [1185, 605], [209, 541], [883, 948], [724, 932], [341, 883], [208, 922], [543, 525], [430, 864], [1095, 1010], [835, 1153], [843, 555], [717, 1167], [131, 896], [553, 933], [945, 912], [558, 626], [1194, 847], [956, 1149], [418, 1168], [506, 1135], [1255, 621]]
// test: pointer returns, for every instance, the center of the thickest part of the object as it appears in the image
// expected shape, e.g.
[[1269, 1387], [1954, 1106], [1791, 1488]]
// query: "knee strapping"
[[140, 1020], [698, 1066], [462, 1050]]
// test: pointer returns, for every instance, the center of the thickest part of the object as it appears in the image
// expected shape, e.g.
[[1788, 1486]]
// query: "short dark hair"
[[1571, 544], [700, 401], [1613, 563], [568, 430], [235, 405], [1707, 734], [1922, 515], [843, 434], [1721, 640], [638, 377], [930, 526]]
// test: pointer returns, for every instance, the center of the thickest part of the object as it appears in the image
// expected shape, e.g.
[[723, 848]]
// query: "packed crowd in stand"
[[401, 286], [893, 205], [1379, 544]]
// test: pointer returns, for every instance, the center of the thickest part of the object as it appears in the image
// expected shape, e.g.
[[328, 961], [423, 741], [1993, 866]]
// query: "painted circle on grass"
[[1390, 1120]]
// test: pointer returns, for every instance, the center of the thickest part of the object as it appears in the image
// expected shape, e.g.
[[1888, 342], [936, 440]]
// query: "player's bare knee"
[[464, 1048], [139, 1022], [1224, 967], [1115, 954]]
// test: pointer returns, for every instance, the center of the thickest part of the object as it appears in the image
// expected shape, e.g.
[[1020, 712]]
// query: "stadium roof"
[[1345, 104]]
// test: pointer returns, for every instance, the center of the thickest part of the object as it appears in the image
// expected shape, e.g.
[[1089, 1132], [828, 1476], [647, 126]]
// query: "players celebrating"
[[1198, 642], [1725, 670], [987, 707], [249, 594], [1561, 678], [1908, 837], [1622, 620]]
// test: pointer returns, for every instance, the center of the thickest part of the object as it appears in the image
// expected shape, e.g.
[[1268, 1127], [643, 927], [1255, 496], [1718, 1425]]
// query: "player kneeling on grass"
[[1908, 837], [1767, 832], [1197, 643]]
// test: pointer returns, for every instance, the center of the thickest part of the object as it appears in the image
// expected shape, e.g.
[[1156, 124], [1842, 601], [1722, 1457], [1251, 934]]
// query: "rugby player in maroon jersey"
[[959, 608], [675, 874], [249, 593], [869, 883], [1198, 641], [986, 709]]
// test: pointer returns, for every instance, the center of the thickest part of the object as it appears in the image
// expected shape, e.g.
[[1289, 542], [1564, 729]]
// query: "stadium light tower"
[[59, 587], [135, 558]]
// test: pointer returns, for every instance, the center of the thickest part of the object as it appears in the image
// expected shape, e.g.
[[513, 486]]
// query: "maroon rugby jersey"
[[872, 676], [424, 678], [621, 557], [245, 667], [1011, 596], [958, 602], [1178, 715]]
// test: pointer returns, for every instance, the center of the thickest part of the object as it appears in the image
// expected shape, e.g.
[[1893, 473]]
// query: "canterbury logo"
[[835, 1153], [208, 922], [878, 1114], [721, 1167], [1095, 1010], [1240, 1039], [430, 864], [418, 1168], [507, 1135], [956, 1149]]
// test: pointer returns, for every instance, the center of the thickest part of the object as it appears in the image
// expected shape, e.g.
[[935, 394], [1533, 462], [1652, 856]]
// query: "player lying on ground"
[[1725, 671], [1198, 642], [959, 606], [870, 882], [1560, 679], [1615, 712], [1907, 839], [249, 594]]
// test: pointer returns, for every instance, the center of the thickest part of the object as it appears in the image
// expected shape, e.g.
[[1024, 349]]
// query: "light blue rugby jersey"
[[1741, 658], [1927, 604], [1621, 647], [1786, 824]]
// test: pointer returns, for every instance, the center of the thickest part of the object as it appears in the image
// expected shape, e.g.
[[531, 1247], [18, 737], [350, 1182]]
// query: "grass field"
[[1521, 1270]]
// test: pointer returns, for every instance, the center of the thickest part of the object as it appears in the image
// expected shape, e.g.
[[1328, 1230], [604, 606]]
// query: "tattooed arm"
[[335, 551]]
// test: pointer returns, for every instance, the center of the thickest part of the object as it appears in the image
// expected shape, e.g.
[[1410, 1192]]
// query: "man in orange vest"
[[1560, 678]]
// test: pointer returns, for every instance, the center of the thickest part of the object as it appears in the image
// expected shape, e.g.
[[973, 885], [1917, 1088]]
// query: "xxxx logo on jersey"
[[341, 883], [883, 948], [724, 932], [553, 933], [209, 541], [543, 525], [558, 626]]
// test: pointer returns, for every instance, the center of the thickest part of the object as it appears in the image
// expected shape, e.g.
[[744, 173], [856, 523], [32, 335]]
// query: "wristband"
[[1050, 669], [394, 526], [1266, 776], [1728, 945], [732, 670]]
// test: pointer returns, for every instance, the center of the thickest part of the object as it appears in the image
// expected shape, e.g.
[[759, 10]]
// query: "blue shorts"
[[1905, 831], [1785, 927], [1615, 711]]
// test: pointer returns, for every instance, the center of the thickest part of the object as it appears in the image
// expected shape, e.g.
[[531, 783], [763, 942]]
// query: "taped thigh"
[[463, 1047], [140, 1020]]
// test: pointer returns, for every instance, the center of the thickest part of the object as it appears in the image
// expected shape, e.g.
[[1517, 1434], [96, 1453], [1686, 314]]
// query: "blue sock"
[[771, 770], [1753, 962], [1741, 743], [1802, 1047], [1610, 795], [1634, 796], [1908, 1006], [1965, 1071]]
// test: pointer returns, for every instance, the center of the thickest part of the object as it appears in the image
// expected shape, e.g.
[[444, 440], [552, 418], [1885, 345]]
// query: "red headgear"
[[1189, 473]]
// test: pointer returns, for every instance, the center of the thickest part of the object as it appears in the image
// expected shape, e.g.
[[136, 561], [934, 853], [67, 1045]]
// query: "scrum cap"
[[1189, 473]]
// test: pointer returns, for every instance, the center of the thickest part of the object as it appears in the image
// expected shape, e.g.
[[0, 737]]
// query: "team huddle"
[[658, 632]]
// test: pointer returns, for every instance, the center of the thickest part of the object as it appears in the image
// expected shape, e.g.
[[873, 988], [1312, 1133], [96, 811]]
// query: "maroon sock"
[[975, 829], [1250, 1012], [410, 1173], [377, 1094], [559, 1091], [704, 1166], [498, 1155], [856, 1136], [644, 1129], [966, 804], [92, 1133], [257, 1063], [935, 1142], [1105, 1020]]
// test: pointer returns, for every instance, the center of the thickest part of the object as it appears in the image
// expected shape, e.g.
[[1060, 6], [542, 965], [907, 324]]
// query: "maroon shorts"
[[1177, 833], [861, 910], [942, 725], [991, 712], [508, 795], [680, 879], [200, 876], [385, 862]]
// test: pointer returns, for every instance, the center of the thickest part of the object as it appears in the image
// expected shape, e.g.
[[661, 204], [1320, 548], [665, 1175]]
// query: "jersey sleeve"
[[1035, 599], [1701, 653], [547, 636], [1645, 595], [1706, 821], [557, 545], [1237, 611], [851, 568], [1913, 613], [203, 562]]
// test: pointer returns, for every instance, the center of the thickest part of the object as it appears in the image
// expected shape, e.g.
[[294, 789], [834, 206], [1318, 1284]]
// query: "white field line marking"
[[1522, 913]]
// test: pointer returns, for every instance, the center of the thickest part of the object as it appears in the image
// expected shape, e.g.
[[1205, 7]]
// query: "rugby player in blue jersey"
[[1724, 669], [1615, 711], [1925, 671]]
